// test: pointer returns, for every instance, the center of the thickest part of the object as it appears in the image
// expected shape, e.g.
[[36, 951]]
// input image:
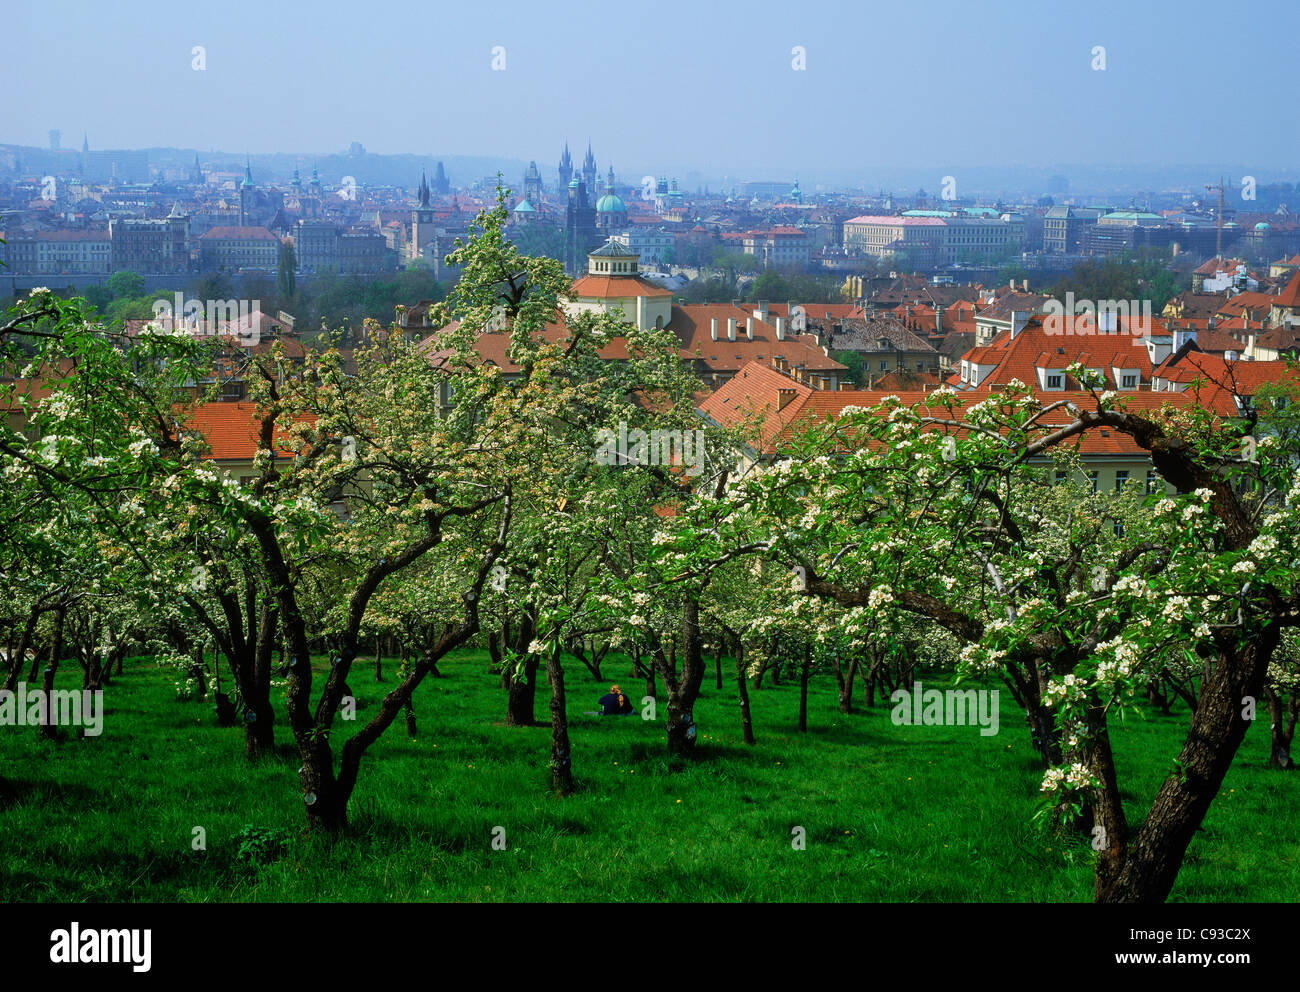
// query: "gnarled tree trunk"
[[561, 758]]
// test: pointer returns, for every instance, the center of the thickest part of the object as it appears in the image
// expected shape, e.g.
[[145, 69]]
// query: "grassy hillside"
[[890, 812]]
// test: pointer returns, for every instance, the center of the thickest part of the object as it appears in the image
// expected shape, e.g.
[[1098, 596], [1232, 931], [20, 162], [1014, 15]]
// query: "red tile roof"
[[616, 287], [693, 326], [751, 400], [1290, 295], [1033, 348], [231, 430]]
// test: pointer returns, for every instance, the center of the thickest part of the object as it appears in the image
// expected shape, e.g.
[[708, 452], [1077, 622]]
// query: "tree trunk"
[[1145, 871], [24, 645], [48, 730], [561, 760], [684, 691], [803, 688], [379, 664], [409, 709], [742, 687], [717, 661], [56, 647], [255, 687], [522, 695], [522, 692], [1282, 723], [846, 691]]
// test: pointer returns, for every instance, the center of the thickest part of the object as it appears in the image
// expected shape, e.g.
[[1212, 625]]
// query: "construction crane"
[[1218, 220]]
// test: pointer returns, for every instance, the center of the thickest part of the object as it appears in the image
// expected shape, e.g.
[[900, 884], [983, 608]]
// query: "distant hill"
[[366, 168]]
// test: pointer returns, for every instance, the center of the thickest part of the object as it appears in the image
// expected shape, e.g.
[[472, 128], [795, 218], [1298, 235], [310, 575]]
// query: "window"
[[884, 366], [1060, 478], [1092, 479], [1130, 382], [1053, 382], [1120, 479]]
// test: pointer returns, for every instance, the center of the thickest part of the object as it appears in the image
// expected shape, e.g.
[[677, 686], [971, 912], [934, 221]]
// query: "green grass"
[[891, 813]]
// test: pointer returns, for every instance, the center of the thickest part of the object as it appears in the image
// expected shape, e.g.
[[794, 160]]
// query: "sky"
[[669, 85]]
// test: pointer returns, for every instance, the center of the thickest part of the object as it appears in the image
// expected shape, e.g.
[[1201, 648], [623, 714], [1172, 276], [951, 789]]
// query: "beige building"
[[55, 253], [613, 285], [233, 248]]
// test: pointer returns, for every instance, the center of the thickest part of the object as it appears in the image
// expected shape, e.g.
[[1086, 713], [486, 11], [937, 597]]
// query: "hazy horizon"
[[933, 87]]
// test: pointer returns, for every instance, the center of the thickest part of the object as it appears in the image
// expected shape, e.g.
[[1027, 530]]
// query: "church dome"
[[525, 207], [1262, 226], [611, 204]]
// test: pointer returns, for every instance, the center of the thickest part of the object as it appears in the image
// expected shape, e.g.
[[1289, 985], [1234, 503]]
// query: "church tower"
[[566, 170], [533, 185], [246, 192], [589, 171], [441, 185], [580, 234], [422, 229]]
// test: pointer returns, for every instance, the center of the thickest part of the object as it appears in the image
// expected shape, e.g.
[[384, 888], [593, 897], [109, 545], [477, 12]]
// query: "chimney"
[[736, 304], [731, 328], [749, 328], [938, 320], [1183, 336], [783, 398], [1024, 285], [1011, 285], [780, 328], [761, 312], [641, 318], [714, 328]]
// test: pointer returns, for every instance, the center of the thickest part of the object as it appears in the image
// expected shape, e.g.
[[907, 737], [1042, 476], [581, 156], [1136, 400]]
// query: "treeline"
[[326, 300]]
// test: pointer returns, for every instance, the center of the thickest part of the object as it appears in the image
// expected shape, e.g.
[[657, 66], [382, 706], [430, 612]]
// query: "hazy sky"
[[702, 84]]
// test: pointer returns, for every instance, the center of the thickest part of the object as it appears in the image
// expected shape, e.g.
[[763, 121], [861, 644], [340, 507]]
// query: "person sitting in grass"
[[614, 703]]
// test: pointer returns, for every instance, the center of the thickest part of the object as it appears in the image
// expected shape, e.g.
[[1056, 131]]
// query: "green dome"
[[610, 204]]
